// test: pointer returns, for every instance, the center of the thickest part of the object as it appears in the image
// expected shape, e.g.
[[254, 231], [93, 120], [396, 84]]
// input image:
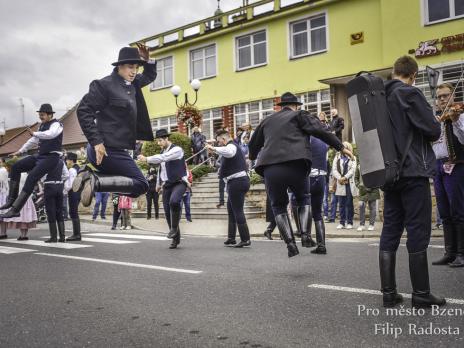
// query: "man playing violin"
[[449, 178]]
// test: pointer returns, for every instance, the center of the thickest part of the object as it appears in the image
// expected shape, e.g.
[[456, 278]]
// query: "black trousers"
[[222, 187], [152, 197], [116, 215], [73, 199], [280, 177], [172, 198], [236, 191], [37, 166], [317, 187], [53, 195], [408, 205]]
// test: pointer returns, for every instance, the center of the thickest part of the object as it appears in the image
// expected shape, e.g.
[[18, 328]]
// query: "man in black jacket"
[[408, 204], [337, 124], [285, 162], [113, 115]]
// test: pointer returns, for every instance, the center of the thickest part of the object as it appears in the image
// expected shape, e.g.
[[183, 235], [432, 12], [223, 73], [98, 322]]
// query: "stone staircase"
[[206, 196]]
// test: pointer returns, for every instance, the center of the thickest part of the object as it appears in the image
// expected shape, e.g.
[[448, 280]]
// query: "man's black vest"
[[455, 148], [76, 167], [319, 154], [49, 145], [176, 169], [234, 164], [56, 173]]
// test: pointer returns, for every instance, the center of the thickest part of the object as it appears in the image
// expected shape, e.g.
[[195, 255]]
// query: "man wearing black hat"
[[48, 139], [285, 162], [173, 178], [233, 172], [73, 197], [113, 116]]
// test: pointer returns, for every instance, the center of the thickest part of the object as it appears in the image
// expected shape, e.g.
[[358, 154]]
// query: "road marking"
[[129, 264], [352, 240], [403, 245], [127, 236], [108, 241], [370, 292], [46, 245], [10, 250]]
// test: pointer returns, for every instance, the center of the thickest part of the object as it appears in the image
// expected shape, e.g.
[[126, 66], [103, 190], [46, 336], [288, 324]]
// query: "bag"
[[373, 130]]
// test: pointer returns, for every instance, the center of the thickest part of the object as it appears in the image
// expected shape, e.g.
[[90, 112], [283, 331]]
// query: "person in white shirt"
[[173, 179], [48, 139], [73, 197]]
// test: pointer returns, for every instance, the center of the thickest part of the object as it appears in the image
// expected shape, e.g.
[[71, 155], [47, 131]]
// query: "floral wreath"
[[189, 115]]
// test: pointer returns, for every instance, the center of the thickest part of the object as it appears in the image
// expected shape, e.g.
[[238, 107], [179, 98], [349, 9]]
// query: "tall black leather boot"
[[419, 272], [320, 238], [176, 240], [76, 236], [297, 221], [175, 218], [387, 265], [104, 183], [305, 220], [61, 232], [286, 232], [459, 260], [12, 194], [17, 205], [244, 236], [449, 235], [53, 233], [231, 232]]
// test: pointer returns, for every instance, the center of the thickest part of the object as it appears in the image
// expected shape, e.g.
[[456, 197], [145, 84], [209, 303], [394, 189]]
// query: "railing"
[[222, 20]]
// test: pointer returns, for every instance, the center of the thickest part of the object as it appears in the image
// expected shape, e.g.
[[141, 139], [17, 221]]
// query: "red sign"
[[435, 47]]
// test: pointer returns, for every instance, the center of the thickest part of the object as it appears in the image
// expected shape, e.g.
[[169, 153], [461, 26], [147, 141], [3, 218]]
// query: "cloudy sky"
[[52, 49]]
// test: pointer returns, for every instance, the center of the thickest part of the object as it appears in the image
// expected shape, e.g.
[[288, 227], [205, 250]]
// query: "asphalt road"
[[142, 294]]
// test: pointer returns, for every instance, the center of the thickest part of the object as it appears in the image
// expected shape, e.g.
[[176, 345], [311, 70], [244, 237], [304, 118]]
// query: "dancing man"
[[113, 115]]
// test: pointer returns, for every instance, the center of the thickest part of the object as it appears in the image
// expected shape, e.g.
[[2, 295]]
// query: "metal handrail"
[[188, 159], [198, 165]]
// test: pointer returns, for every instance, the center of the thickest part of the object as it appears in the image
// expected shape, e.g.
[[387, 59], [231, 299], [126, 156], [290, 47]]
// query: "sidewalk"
[[218, 228]]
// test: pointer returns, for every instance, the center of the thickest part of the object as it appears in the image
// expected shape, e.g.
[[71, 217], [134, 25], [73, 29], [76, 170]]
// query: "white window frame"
[[190, 61], [318, 102], [247, 112], [237, 48], [452, 16], [308, 31], [159, 60], [210, 113], [156, 123]]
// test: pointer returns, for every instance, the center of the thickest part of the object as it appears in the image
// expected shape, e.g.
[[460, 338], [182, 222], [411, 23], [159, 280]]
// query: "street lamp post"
[[175, 90], [2, 131]]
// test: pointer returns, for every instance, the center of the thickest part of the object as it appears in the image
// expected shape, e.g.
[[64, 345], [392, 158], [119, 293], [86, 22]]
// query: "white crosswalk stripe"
[[104, 240], [10, 250], [403, 245], [126, 236], [46, 245]]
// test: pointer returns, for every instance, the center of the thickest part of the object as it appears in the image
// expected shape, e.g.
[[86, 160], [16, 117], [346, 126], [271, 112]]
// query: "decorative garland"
[[189, 115]]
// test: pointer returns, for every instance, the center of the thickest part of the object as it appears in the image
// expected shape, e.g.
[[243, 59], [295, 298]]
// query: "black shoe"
[[304, 222], [268, 234], [80, 179], [219, 205], [244, 235], [61, 232], [23, 238], [419, 272], [88, 191], [243, 244], [459, 260], [175, 242], [53, 233], [175, 218], [450, 239], [286, 233], [113, 227], [74, 238], [4, 236], [173, 245], [320, 238], [17, 205], [230, 242], [12, 194], [387, 266]]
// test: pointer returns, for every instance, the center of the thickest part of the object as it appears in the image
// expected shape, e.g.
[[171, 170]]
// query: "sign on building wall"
[[447, 44]]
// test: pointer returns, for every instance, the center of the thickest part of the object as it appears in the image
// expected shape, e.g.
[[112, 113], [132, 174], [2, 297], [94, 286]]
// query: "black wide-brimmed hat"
[[289, 99], [71, 156], [47, 108], [162, 133], [128, 55]]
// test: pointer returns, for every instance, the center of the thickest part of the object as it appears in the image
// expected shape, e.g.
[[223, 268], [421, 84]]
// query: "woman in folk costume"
[[3, 197], [125, 205]]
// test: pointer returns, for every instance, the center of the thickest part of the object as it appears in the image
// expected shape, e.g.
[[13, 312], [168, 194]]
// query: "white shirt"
[[68, 183], [440, 147], [55, 129], [172, 154], [227, 151]]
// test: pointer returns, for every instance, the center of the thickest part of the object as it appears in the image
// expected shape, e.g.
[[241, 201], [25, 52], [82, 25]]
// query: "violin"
[[452, 112]]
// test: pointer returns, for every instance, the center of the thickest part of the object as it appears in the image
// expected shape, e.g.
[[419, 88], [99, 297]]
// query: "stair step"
[[210, 216]]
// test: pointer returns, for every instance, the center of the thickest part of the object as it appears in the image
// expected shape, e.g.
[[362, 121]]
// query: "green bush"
[[200, 171], [151, 148], [255, 178]]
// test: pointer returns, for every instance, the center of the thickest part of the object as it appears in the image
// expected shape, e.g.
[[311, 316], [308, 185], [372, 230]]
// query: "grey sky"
[[52, 49]]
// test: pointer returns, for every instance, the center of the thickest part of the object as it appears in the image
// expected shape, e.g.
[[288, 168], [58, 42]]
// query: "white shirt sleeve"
[[458, 128], [171, 155], [34, 141], [55, 130], [68, 183], [228, 151]]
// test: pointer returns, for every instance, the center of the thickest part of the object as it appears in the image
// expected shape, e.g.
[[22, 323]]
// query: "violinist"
[[449, 178]]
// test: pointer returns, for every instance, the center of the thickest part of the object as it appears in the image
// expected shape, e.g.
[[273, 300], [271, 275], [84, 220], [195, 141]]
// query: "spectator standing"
[[101, 199], [152, 193], [366, 197], [337, 124], [198, 142], [125, 205]]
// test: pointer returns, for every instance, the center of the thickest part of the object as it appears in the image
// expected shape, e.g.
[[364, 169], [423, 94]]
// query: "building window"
[[308, 36], [316, 101], [252, 113], [443, 10], [203, 62], [211, 122], [251, 50], [164, 70], [168, 122]]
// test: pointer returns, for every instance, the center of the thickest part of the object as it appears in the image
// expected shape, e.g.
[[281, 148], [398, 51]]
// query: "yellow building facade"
[[246, 58]]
